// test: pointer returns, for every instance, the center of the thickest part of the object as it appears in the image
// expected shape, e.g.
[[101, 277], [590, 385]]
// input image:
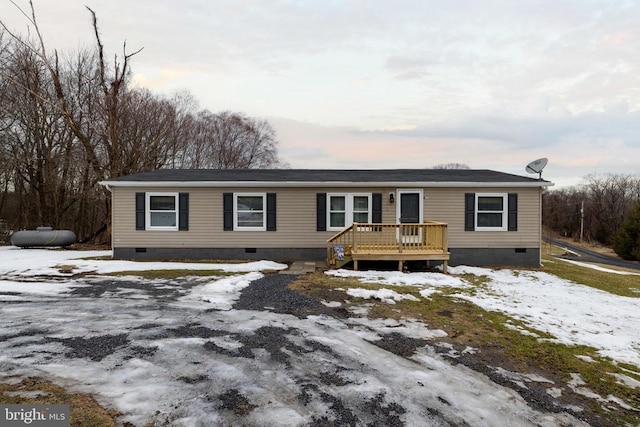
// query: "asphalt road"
[[585, 255]]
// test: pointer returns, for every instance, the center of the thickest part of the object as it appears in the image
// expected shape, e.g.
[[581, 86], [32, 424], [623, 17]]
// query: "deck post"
[[354, 233], [400, 265], [355, 265], [444, 266]]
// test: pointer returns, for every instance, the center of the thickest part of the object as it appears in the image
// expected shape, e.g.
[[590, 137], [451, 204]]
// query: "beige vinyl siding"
[[296, 219], [447, 205]]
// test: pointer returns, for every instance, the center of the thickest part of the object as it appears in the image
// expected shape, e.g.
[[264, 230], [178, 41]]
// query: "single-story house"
[[472, 217]]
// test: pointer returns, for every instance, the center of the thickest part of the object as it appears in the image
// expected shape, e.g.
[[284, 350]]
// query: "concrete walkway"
[[304, 267]]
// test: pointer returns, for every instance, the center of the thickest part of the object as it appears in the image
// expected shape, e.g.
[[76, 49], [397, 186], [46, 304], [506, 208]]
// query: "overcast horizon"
[[404, 84]]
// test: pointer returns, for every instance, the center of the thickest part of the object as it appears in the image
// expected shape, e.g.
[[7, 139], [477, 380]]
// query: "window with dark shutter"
[[227, 214], [140, 211], [321, 211], [513, 212], [491, 212], [183, 212], [469, 211], [271, 211]]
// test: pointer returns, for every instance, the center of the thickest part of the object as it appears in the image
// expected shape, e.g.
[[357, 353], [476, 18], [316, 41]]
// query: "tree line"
[[70, 120], [604, 209]]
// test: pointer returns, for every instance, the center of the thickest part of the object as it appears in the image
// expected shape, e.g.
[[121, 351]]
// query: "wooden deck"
[[389, 242]]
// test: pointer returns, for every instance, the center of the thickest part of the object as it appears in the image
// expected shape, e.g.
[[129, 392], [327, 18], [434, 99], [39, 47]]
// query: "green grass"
[[627, 285]]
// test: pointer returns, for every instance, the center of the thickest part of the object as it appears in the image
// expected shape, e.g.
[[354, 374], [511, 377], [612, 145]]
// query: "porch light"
[[391, 197]]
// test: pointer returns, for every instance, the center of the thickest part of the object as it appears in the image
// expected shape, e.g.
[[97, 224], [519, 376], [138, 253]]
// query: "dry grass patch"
[[85, 411]]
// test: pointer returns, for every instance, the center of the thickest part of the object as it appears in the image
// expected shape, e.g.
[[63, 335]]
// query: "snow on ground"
[[600, 268], [15, 261], [573, 313], [385, 295], [168, 352]]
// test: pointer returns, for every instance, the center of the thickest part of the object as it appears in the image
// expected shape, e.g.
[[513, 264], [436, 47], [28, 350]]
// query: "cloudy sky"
[[392, 84]]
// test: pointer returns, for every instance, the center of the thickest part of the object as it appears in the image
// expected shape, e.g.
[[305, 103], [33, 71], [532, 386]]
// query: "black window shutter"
[[140, 211], [321, 211], [376, 208], [183, 212], [271, 211], [469, 211], [513, 212], [227, 207]]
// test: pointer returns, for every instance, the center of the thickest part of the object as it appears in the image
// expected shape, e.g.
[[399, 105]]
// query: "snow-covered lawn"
[[165, 351], [574, 314]]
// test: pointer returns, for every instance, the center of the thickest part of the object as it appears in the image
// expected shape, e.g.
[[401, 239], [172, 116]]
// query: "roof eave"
[[333, 184]]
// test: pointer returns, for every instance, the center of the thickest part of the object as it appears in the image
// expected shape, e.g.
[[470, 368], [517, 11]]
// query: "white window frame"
[[148, 211], [238, 227], [504, 212], [348, 209]]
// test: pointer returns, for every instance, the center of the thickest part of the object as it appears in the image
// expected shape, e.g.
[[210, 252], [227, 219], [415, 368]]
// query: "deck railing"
[[427, 237]]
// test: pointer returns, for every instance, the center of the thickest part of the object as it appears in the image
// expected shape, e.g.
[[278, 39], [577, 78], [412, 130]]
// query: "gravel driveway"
[[170, 352]]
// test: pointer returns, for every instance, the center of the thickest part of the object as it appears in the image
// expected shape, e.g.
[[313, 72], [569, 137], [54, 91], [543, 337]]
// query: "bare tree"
[[610, 199], [94, 124], [599, 206], [451, 166], [67, 122], [37, 144], [561, 211], [231, 140]]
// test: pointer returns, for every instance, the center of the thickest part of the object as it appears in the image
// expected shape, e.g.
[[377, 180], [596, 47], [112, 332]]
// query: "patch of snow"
[[576, 384], [385, 295], [331, 304], [572, 313], [520, 329], [8, 288], [398, 278], [555, 392], [600, 268], [522, 378], [46, 262], [426, 293], [627, 380], [220, 293], [411, 328]]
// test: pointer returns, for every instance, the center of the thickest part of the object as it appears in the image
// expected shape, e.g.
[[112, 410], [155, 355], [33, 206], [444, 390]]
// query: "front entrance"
[[409, 207], [410, 211]]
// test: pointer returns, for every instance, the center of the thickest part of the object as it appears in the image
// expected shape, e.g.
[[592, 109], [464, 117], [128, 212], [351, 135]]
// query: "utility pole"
[[581, 221]]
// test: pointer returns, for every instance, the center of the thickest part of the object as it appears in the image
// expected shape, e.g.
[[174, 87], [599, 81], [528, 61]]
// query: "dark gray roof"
[[326, 175]]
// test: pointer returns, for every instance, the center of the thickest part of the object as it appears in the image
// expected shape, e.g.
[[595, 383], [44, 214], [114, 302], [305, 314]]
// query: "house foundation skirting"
[[272, 254], [520, 257], [487, 257]]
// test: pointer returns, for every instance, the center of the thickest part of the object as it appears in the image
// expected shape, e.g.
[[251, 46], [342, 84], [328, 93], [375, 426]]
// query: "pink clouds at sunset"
[[401, 84]]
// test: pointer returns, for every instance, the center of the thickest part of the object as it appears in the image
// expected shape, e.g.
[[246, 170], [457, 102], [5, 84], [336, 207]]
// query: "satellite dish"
[[536, 166]]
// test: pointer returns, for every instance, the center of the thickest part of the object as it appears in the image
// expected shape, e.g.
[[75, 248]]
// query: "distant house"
[[472, 217]]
